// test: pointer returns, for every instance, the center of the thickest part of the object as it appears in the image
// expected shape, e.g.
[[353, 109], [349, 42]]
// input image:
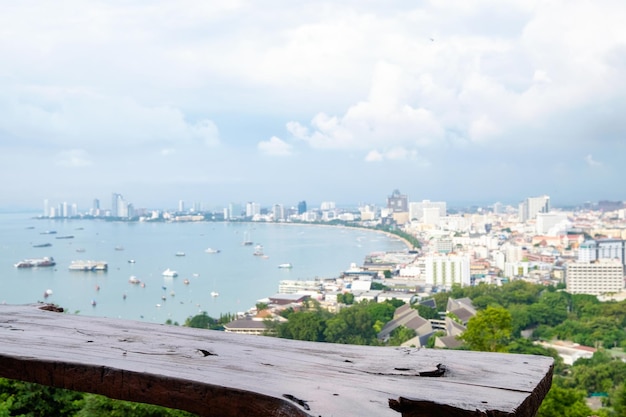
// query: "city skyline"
[[338, 101], [528, 207]]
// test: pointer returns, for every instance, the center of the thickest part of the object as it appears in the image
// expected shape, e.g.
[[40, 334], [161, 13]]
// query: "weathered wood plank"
[[214, 373]]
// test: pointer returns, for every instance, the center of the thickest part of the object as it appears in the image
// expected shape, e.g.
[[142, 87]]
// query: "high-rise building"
[[416, 209], [551, 223], [302, 207], [46, 208], [181, 206], [116, 202], [603, 276], [592, 250], [446, 270], [235, 211], [529, 208], [431, 216], [252, 209], [397, 202], [278, 212]]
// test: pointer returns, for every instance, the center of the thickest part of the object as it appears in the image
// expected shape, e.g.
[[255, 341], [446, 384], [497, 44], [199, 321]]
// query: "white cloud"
[[374, 156], [196, 82], [385, 119], [541, 77], [592, 162], [297, 130], [74, 158], [275, 147], [396, 154], [71, 117]]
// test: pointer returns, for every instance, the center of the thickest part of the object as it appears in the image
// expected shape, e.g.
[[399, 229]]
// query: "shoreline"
[[408, 244], [154, 246]]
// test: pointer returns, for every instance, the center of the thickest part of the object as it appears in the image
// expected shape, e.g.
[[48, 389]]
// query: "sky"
[[281, 101]]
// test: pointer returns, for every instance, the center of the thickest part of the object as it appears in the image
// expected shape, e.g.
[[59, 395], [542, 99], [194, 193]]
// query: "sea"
[[228, 282]]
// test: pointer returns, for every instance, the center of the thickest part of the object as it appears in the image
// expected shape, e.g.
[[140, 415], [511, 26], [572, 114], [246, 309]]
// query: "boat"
[[211, 250], [42, 245], [134, 280], [49, 232], [214, 294], [170, 273], [119, 248], [286, 265], [80, 250], [89, 266], [131, 261], [246, 239], [65, 237], [258, 250], [36, 262], [180, 253]]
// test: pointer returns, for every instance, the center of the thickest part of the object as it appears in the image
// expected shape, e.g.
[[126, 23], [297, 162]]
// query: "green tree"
[[345, 298], [489, 330], [378, 286], [33, 400], [100, 406], [379, 311], [433, 338], [306, 325], [400, 335], [426, 312], [619, 400], [561, 402], [200, 321], [351, 326]]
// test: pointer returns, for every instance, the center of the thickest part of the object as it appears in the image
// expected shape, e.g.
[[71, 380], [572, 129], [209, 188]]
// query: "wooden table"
[[214, 373]]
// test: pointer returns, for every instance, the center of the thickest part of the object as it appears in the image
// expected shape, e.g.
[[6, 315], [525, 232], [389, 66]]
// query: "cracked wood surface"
[[214, 373]]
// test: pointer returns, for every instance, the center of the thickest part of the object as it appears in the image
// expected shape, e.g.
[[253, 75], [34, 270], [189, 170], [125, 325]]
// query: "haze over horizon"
[[328, 101]]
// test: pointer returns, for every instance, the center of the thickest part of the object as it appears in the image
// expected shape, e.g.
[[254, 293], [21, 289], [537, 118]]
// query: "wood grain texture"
[[213, 373]]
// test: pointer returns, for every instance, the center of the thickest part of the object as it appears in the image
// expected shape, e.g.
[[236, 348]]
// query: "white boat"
[[170, 273], [246, 239], [286, 265], [214, 293], [258, 250], [88, 266], [211, 250], [32, 263], [180, 253]]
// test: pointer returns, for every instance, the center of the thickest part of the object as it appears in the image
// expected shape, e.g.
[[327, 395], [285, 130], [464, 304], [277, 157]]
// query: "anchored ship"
[[36, 262], [88, 266]]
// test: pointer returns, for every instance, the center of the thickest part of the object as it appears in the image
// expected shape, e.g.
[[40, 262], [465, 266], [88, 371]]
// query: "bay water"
[[145, 250]]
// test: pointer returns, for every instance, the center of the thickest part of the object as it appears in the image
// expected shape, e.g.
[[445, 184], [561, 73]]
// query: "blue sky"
[[279, 101]]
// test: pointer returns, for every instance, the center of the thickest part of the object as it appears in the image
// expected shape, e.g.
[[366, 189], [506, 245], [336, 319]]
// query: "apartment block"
[[598, 277]]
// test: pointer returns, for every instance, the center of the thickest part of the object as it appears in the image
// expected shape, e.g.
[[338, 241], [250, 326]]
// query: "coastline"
[[240, 278], [408, 244]]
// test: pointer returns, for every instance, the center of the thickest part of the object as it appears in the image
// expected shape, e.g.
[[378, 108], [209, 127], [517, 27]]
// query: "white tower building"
[[445, 271]]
